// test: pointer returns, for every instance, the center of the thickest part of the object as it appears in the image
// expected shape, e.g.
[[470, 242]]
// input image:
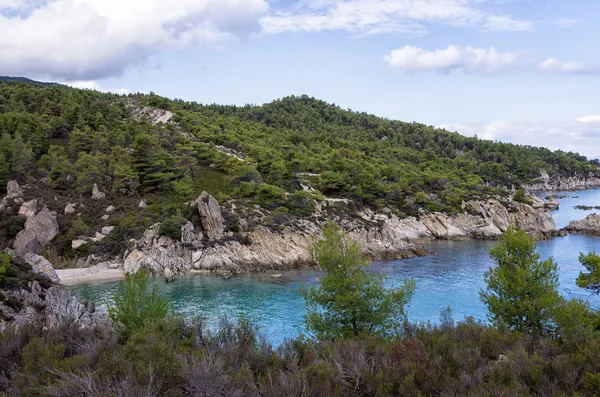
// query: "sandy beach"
[[89, 275]]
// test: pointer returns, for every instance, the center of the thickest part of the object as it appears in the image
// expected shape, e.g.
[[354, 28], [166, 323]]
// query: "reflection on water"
[[452, 278]]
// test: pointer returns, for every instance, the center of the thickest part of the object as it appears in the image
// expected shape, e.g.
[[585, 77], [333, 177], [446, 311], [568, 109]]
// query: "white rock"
[[13, 190], [69, 208], [97, 194], [143, 203], [110, 208], [29, 208], [77, 243], [105, 217], [39, 264], [106, 230]]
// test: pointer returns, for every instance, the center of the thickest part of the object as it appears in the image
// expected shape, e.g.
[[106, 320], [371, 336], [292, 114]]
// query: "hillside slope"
[[100, 169]]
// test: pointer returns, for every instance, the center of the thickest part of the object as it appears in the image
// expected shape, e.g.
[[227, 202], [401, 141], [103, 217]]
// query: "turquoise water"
[[452, 278]]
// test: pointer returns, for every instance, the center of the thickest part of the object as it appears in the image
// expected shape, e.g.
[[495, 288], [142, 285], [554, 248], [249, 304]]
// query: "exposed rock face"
[[148, 113], [13, 190], [537, 202], [29, 208], [39, 231], [381, 236], [577, 182], [51, 303], [590, 225], [210, 216], [97, 194], [41, 265]]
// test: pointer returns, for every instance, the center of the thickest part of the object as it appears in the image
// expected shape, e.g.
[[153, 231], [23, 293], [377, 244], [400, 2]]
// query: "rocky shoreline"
[[557, 183], [210, 244]]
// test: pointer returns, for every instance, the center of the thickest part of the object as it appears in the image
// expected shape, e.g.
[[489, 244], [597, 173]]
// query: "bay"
[[451, 278]]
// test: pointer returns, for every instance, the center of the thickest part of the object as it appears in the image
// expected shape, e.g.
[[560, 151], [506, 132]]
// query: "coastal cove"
[[452, 277]]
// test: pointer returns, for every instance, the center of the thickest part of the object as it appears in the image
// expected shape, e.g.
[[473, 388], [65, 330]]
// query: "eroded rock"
[[39, 231], [97, 194], [210, 216], [589, 225]]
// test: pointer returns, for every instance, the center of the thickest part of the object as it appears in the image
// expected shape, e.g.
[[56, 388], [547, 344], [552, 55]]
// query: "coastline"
[[89, 275]]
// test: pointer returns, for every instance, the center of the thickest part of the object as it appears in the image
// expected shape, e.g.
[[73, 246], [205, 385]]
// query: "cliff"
[[589, 225]]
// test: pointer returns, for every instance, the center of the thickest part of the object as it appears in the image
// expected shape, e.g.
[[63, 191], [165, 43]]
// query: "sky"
[[521, 71]]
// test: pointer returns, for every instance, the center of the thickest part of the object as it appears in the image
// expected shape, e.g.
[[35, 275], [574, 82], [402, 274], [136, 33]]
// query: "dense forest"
[[74, 138]]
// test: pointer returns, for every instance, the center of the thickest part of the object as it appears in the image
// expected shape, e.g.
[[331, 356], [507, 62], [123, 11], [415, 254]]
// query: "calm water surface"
[[452, 278]]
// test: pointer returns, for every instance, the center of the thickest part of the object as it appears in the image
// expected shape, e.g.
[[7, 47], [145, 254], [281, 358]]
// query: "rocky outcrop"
[[41, 300], [559, 183], [381, 236], [41, 265], [210, 216], [14, 196], [97, 194], [39, 231], [148, 113], [29, 208], [589, 225]]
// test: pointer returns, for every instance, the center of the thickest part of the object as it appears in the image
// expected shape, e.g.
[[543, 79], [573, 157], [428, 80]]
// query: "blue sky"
[[524, 71]]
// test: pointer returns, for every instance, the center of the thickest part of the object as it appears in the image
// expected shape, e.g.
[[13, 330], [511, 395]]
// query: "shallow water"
[[452, 278]]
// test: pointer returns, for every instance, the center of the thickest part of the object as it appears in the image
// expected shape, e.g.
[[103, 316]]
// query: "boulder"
[[169, 275], [190, 237], [210, 216], [134, 261], [143, 203], [41, 265], [29, 208], [537, 202], [39, 231], [552, 204], [77, 243], [13, 190], [97, 194], [589, 225], [110, 208], [105, 217], [69, 208], [106, 230]]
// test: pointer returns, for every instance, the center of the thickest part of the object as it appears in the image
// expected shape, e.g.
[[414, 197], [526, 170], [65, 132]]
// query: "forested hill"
[[74, 138]]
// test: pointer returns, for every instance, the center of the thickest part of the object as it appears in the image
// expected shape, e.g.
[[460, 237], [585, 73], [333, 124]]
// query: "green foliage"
[[520, 197], [13, 225], [171, 227], [135, 305], [4, 263], [351, 302], [301, 203], [591, 279], [78, 227], [4, 173], [270, 196], [521, 290]]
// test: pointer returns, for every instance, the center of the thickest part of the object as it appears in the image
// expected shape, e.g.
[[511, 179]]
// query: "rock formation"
[[589, 225], [210, 216], [558, 183], [39, 230], [97, 194]]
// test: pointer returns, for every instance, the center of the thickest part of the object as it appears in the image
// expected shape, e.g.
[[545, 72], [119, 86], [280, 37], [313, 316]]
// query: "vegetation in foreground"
[[537, 344]]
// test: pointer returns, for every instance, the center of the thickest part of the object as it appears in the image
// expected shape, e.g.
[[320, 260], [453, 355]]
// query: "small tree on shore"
[[591, 279], [351, 302], [135, 305], [521, 290]]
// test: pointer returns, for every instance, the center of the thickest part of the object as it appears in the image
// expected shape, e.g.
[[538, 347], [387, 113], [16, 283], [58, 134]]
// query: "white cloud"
[[386, 16], [467, 59], [94, 85], [566, 136], [553, 65], [592, 118], [566, 22], [507, 24], [89, 39]]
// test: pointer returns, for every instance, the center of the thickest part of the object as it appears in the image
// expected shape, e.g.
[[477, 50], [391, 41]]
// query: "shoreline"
[[89, 275]]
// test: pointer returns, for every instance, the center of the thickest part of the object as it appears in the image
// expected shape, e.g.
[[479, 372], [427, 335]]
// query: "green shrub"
[[301, 203], [13, 225], [171, 227], [270, 196], [135, 305]]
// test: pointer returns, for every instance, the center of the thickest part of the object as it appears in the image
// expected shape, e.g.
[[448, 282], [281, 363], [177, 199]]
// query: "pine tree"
[[351, 302], [22, 157], [4, 173], [591, 279], [521, 290]]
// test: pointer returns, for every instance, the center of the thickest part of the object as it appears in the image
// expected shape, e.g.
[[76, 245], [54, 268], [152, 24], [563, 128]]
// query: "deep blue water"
[[452, 278]]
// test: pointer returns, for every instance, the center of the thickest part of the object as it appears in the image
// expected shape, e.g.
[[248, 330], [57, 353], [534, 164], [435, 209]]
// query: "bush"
[[301, 203], [171, 227], [13, 225], [134, 307], [270, 196]]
